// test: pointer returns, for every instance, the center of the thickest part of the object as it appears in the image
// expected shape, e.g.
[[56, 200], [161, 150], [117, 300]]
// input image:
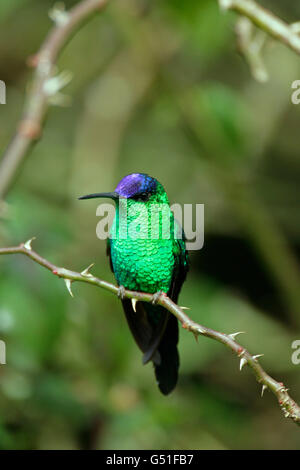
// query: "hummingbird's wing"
[[145, 331], [166, 371], [181, 268]]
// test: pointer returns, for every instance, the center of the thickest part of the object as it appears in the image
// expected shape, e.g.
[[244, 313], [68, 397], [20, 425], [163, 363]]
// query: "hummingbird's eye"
[[142, 197]]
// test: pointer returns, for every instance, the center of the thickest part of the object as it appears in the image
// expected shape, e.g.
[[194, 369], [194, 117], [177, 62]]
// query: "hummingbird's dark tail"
[[166, 371], [156, 332]]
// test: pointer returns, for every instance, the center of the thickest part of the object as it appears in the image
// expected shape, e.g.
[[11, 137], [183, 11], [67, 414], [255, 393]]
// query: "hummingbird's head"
[[138, 187]]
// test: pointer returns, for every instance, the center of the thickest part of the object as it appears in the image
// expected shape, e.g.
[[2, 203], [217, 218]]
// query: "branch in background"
[[266, 21], [250, 44], [44, 88], [287, 404], [263, 232]]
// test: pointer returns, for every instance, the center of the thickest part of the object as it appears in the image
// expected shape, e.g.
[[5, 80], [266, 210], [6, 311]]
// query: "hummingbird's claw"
[[156, 296], [121, 292]]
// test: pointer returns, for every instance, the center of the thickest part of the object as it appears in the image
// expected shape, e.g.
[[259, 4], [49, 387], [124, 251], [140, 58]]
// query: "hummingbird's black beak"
[[112, 195]]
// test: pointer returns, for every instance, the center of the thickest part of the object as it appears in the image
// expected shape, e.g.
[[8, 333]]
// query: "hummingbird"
[[151, 259]]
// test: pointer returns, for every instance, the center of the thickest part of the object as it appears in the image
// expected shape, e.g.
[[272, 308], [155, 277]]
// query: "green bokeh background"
[[158, 87]]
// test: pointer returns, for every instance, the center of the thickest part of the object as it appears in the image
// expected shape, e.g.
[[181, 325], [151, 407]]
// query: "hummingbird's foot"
[[121, 292], [157, 295]]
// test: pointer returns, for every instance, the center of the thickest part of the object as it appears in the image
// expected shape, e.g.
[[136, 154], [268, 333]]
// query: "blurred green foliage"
[[158, 87]]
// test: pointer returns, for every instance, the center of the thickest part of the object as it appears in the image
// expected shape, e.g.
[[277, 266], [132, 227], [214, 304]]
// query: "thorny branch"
[[266, 21], [45, 87], [289, 407]]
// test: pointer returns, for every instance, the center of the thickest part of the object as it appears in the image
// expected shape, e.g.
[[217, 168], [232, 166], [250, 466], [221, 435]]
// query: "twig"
[[265, 20], [44, 86], [250, 44], [289, 407]]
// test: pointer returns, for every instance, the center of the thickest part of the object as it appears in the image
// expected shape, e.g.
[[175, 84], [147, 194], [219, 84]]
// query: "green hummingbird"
[[147, 253]]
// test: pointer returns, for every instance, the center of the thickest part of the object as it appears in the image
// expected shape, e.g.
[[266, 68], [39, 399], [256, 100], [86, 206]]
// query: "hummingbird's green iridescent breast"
[[144, 265], [143, 256]]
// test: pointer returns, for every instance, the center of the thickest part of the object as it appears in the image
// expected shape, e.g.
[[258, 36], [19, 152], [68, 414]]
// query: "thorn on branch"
[[133, 302], [86, 271], [264, 387], [58, 14], [68, 283], [243, 362], [27, 244], [54, 84], [250, 44], [225, 4], [233, 335], [257, 356], [196, 335]]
